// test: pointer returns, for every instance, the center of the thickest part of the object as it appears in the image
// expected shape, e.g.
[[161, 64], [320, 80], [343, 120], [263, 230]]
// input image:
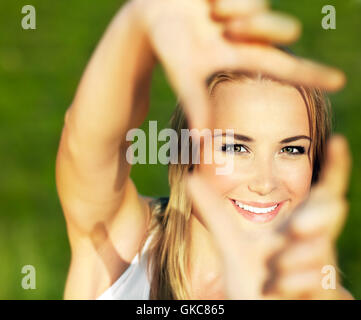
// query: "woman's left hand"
[[297, 259]]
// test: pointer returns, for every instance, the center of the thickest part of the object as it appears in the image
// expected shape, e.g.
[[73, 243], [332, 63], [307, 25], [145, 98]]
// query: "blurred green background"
[[39, 72]]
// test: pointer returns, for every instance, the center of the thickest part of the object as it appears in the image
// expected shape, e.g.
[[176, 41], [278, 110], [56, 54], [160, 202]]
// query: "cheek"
[[222, 183], [296, 177]]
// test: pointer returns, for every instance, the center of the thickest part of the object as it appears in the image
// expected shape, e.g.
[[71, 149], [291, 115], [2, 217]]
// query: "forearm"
[[113, 94]]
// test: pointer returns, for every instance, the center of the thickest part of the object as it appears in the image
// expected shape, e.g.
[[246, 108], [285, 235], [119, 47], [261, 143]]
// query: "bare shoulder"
[[99, 258]]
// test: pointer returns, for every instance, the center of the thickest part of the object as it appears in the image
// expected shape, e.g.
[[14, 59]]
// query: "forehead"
[[260, 108]]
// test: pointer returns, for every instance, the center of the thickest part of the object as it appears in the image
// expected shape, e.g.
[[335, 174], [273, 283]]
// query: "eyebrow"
[[237, 136], [242, 137], [290, 139]]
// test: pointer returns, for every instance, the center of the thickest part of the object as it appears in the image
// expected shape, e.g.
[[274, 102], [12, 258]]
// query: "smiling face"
[[272, 169]]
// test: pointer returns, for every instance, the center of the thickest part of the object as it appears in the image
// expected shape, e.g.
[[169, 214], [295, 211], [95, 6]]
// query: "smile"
[[255, 209], [258, 212]]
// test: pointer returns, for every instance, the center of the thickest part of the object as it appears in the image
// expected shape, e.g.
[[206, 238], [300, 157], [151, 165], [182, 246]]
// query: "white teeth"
[[255, 209]]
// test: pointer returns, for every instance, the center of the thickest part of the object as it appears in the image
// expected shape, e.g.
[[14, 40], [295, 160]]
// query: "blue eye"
[[293, 150], [236, 148]]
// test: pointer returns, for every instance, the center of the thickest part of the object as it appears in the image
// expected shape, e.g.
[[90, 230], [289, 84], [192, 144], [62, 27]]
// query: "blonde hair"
[[169, 248]]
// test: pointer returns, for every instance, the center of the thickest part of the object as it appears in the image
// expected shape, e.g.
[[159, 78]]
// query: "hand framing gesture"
[[193, 38]]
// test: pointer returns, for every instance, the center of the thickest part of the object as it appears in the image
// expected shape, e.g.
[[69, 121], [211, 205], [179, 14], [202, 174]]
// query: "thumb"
[[335, 176], [326, 209]]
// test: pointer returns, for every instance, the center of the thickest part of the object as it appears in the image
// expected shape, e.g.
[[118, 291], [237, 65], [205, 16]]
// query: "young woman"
[[281, 135]]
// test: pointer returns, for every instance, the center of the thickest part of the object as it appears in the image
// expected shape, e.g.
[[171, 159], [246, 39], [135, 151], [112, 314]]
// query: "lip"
[[258, 217]]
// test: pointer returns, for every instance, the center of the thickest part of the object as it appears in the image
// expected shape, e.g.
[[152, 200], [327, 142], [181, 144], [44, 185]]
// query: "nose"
[[263, 181]]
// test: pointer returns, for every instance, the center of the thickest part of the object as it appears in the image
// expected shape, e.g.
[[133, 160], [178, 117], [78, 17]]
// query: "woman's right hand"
[[288, 261], [194, 38]]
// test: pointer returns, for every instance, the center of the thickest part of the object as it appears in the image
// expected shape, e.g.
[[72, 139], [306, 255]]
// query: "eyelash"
[[226, 146], [300, 150]]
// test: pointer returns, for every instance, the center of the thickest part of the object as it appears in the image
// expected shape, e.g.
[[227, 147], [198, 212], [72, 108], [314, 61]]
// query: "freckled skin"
[[268, 112]]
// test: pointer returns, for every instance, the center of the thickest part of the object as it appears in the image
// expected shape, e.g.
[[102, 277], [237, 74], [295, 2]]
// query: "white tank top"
[[134, 283]]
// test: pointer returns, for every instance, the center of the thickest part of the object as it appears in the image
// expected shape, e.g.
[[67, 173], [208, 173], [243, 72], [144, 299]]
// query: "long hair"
[[169, 248]]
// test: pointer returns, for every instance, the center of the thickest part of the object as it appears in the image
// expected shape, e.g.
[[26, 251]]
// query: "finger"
[[300, 285], [319, 216], [343, 294], [326, 210], [302, 255], [335, 176], [275, 63], [265, 26], [222, 9]]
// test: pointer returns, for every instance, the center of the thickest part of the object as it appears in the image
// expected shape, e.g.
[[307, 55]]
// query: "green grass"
[[39, 72]]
